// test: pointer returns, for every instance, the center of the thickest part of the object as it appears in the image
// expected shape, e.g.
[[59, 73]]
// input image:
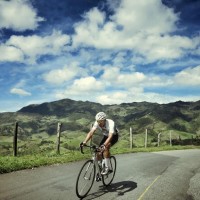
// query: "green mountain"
[[78, 115], [38, 124]]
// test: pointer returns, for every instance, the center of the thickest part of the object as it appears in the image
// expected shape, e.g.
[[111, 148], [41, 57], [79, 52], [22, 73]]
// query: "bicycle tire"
[[107, 179], [86, 178]]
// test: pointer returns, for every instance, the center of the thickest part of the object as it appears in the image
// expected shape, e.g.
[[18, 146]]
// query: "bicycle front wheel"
[[85, 179], [107, 179]]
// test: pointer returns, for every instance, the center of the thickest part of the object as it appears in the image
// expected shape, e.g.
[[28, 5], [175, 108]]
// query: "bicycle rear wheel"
[[85, 179], [107, 179]]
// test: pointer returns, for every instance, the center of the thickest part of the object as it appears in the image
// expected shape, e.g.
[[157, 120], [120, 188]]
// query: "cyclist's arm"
[[111, 132], [89, 135]]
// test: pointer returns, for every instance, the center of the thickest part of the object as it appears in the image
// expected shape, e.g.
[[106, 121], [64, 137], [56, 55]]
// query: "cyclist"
[[110, 132]]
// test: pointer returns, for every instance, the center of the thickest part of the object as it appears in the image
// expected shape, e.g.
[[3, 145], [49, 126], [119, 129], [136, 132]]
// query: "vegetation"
[[78, 116], [37, 131], [10, 163]]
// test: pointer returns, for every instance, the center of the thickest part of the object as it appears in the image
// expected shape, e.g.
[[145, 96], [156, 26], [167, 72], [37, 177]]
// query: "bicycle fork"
[[88, 171], [98, 173]]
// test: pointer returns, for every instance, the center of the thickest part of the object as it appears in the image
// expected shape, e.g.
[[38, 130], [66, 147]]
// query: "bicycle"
[[92, 168]]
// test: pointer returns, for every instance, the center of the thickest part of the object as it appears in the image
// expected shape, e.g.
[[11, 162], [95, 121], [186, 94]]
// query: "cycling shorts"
[[113, 140]]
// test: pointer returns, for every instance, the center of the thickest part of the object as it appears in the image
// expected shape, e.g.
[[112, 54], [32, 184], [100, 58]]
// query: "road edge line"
[[148, 187]]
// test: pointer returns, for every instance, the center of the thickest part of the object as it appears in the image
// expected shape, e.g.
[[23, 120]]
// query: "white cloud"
[[144, 27], [197, 44], [112, 98], [111, 74], [128, 97], [114, 77], [10, 54], [189, 76], [20, 92], [142, 16], [88, 31], [111, 71], [59, 76], [119, 59], [83, 88], [21, 83], [35, 46], [165, 47], [18, 15], [87, 84], [116, 86], [130, 79]]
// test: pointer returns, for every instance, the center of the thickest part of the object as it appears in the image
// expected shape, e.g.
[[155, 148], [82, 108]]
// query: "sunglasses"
[[100, 121]]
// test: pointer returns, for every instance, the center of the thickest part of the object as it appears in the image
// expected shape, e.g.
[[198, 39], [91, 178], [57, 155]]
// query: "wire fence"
[[20, 144]]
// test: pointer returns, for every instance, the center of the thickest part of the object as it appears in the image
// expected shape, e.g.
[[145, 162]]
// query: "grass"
[[10, 163], [39, 149]]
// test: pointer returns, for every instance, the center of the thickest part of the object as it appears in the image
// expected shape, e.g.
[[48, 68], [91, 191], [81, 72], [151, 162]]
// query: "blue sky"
[[102, 51]]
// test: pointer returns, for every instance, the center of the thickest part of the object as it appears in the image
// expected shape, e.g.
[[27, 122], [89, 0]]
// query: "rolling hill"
[[76, 118], [78, 115]]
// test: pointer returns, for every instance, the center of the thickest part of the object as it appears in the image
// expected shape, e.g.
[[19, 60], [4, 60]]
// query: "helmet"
[[100, 116]]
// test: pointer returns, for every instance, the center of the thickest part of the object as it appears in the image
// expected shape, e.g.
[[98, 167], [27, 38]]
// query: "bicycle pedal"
[[98, 179]]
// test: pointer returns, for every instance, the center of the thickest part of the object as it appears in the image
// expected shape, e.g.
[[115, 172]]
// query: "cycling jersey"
[[109, 127]]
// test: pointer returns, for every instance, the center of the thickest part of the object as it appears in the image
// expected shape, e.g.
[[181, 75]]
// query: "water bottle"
[[100, 164], [103, 164]]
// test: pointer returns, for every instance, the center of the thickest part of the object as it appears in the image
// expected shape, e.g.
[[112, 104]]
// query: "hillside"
[[78, 115], [76, 118]]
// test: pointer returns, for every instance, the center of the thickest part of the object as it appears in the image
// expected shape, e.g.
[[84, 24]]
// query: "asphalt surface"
[[167, 175]]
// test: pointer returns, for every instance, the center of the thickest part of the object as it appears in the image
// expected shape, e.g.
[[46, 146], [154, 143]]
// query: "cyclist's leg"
[[99, 154], [106, 153], [107, 150]]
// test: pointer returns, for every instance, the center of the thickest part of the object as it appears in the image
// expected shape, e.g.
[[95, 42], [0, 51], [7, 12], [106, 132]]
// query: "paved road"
[[168, 175]]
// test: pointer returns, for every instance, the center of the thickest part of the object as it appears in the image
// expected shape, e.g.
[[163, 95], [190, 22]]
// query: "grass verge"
[[10, 163]]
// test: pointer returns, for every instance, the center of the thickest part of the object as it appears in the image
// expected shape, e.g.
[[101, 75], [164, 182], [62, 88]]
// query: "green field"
[[11, 163], [40, 149], [70, 140]]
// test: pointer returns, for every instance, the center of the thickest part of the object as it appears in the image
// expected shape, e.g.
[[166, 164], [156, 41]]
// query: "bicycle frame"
[[94, 156], [92, 169]]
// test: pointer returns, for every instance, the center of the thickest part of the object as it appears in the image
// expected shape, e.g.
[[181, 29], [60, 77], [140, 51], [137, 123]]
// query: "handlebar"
[[96, 149]]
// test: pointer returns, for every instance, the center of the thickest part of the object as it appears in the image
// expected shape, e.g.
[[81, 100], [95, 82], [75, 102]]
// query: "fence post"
[[145, 143], [192, 140], [170, 138], [15, 139], [58, 137], [159, 139], [131, 138], [91, 141]]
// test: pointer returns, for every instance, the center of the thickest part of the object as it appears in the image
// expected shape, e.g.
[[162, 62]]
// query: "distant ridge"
[[77, 116]]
